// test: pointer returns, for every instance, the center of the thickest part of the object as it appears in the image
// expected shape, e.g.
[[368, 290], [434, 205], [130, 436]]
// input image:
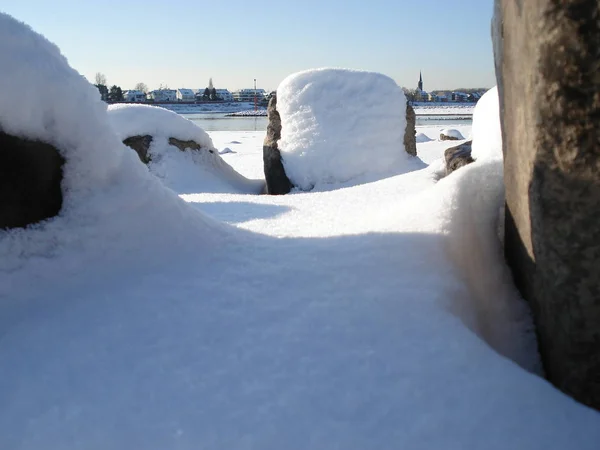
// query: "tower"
[[420, 85]]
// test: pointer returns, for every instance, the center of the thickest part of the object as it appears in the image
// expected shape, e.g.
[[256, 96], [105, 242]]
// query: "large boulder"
[[547, 62], [457, 157], [410, 141], [277, 181], [30, 181], [341, 126]]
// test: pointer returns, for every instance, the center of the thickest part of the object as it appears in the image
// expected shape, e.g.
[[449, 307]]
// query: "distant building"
[[185, 95], [162, 95], [247, 95], [225, 95], [134, 96], [460, 97]]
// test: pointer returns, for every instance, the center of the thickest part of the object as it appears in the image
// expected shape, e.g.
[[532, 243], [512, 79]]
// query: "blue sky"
[[182, 43]]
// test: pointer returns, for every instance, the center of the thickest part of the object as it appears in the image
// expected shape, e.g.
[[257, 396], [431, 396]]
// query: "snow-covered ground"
[[355, 316]]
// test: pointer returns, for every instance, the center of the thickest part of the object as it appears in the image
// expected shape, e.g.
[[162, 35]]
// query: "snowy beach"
[[170, 304]]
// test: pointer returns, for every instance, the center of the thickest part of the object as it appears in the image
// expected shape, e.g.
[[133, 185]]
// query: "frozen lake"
[[219, 122]]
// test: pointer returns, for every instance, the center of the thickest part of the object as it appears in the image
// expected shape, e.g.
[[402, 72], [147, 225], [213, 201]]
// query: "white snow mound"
[[451, 132], [111, 205], [339, 124], [487, 134], [186, 172], [422, 137]]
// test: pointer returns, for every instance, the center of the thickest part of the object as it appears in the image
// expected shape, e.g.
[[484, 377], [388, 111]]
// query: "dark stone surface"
[[277, 181], [184, 145], [457, 157], [30, 181], [547, 55], [445, 137], [410, 140], [140, 144]]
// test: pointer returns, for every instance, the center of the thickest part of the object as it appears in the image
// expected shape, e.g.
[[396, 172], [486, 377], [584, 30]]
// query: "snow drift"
[[340, 124], [111, 204], [487, 133], [186, 171]]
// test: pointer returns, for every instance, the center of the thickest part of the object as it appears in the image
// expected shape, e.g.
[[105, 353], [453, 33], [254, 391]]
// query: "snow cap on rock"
[[339, 124], [487, 134]]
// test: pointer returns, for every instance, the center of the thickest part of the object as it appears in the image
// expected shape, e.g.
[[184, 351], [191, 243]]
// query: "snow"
[[339, 125], [374, 315], [451, 132], [487, 134], [442, 109], [192, 170], [421, 137], [260, 112]]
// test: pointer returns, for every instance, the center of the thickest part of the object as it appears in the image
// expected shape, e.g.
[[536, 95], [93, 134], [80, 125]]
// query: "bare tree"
[[141, 87], [100, 79]]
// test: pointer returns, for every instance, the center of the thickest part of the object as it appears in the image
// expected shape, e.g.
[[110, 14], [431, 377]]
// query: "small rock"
[[420, 138], [450, 134], [457, 157]]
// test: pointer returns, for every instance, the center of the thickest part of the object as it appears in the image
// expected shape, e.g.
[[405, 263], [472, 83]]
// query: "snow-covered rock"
[[450, 134], [180, 153], [340, 124], [487, 134], [422, 137], [43, 98]]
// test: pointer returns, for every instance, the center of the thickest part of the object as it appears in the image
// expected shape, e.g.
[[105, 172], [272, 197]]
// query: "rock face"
[[277, 181], [184, 145], [30, 181], [547, 63], [457, 157], [140, 144], [410, 142]]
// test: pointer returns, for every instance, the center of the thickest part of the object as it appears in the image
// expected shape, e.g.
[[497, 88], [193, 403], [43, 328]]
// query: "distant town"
[[258, 96]]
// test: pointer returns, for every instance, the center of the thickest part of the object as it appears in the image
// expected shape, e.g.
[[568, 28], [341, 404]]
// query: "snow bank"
[[340, 124], [41, 97], [487, 133], [474, 196], [186, 172]]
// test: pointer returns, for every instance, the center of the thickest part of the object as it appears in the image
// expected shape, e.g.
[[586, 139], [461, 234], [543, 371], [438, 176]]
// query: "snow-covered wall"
[[487, 134], [340, 124]]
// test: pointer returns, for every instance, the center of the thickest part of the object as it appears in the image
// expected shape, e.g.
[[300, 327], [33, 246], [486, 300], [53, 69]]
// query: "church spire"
[[420, 85]]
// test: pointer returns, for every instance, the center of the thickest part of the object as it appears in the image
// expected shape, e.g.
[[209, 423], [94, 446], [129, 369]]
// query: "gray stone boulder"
[[278, 182], [410, 141], [457, 157], [547, 63], [30, 181]]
